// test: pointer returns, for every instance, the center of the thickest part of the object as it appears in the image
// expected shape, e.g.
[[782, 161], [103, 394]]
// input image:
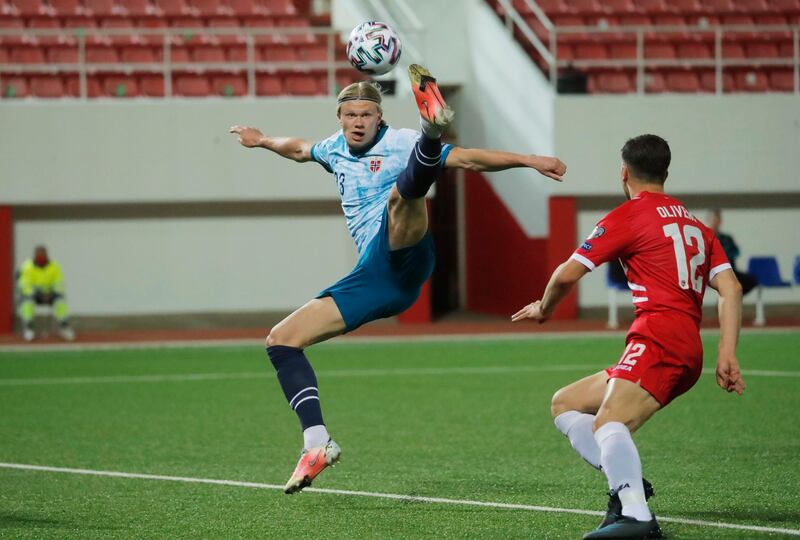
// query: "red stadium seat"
[[262, 23], [279, 54], [614, 82], [619, 6], [654, 83], [229, 85], [732, 50], [179, 55], [208, 54], [651, 6], [548, 6], [31, 8], [151, 85], [682, 81], [103, 8], [27, 55], [62, 54], [302, 85], [659, 50], [782, 80], [694, 50], [622, 50], [751, 6], [191, 86], [120, 86], [590, 51], [268, 85], [139, 55], [585, 7], [139, 8], [751, 81], [761, 50], [280, 7], [93, 88], [174, 8], [13, 87], [784, 6], [211, 8], [686, 6], [313, 53], [719, 6], [708, 81], [4, 58], [101, 55], [246, 8], [237, 53], [564, 52], [68, 8]]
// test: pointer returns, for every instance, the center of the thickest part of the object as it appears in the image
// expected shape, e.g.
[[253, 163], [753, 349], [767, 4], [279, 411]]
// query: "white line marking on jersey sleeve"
[[392, 496]]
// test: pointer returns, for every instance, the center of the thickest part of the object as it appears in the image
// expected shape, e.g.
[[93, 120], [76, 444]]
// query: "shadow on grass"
[[11, 520]]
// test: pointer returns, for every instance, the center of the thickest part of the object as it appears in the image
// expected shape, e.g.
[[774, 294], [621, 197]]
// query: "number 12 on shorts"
[[632, 352]]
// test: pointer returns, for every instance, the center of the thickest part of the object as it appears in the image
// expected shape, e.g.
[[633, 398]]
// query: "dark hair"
[[647, 158]]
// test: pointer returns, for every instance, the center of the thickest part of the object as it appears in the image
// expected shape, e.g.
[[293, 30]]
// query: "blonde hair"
[[362, 90]]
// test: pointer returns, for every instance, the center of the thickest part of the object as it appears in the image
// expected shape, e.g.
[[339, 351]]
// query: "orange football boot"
[[432, 106], [312, 462]]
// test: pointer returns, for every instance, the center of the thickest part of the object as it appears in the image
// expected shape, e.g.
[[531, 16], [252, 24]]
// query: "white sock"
[[620, 460], [577, 427], [315, 436], [430, 130]]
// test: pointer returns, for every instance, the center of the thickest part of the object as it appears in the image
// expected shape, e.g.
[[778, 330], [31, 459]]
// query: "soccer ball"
[[373, 47]]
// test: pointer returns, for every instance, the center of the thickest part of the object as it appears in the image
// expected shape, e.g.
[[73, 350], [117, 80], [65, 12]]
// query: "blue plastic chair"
[[613, 286], [766, 271], [797, 270]]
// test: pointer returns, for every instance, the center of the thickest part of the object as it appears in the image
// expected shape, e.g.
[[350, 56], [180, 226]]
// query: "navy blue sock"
[[422, 170], [298, 382]]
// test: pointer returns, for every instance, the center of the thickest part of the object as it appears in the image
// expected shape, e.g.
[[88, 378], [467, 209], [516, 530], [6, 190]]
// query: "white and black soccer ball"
[[373, 48]]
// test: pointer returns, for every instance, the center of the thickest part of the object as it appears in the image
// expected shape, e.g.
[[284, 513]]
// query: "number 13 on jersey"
[[692, 236]]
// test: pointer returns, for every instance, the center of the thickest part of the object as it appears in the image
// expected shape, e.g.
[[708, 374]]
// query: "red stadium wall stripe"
[[505, 268], [6, 270], [561, 244]]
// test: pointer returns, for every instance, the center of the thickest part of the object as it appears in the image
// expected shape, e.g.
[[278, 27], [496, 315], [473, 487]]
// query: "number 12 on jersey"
[[691, 237]]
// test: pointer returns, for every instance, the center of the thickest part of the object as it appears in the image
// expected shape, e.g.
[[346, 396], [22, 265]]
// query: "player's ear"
[[623, 173]]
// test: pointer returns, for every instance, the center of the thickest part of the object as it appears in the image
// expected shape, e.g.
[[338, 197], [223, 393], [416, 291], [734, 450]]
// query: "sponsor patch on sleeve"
[[597, 232], [586, 246]]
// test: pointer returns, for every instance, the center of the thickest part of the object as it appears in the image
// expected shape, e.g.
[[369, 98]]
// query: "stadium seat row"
[[589, 7], [686, 50], [152, 85], [685, 81], [152, 8], [138, 54]]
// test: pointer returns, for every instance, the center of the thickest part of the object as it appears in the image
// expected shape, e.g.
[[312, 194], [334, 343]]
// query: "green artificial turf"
[[455, 419]]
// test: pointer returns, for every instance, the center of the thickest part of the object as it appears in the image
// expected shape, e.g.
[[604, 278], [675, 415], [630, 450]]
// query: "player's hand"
[[531, 311], [550, 167], [248, 136], [729, 377]]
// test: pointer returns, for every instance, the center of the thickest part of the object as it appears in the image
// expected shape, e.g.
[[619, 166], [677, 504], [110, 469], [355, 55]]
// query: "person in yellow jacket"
[[41, 282]]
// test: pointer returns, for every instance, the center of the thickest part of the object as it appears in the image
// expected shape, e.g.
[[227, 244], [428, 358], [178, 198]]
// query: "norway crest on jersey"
[[375, 164]]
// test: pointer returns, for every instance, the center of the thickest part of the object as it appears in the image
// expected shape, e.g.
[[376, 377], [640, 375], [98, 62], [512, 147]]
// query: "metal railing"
[[641, 35], [168, 38]]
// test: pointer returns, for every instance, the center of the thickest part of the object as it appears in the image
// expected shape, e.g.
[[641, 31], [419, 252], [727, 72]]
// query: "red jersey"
[[668, 255]]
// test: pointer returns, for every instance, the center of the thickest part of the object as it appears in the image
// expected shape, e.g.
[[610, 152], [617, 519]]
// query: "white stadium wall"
[[738, 153], [153, 208]]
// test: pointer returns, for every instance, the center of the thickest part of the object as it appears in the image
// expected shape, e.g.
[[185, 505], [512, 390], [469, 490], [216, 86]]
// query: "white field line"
[[351, 340], [267, 374], [392, 496]]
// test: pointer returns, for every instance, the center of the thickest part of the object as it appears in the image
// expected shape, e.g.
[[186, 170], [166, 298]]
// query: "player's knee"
[[273, 338], [560, 403]]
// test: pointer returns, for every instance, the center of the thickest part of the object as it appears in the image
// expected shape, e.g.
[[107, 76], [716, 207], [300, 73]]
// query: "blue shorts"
[[384, 282]]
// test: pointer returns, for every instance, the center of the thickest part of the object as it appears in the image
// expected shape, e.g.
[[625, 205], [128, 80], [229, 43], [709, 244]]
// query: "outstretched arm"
[[730, 320], [479, 159], [561, 282], [289, 147]]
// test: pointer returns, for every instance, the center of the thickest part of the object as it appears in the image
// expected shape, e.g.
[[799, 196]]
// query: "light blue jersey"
[[365, 179]]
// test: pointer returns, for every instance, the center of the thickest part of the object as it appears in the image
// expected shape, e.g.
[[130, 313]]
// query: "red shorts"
[[663, 354]]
